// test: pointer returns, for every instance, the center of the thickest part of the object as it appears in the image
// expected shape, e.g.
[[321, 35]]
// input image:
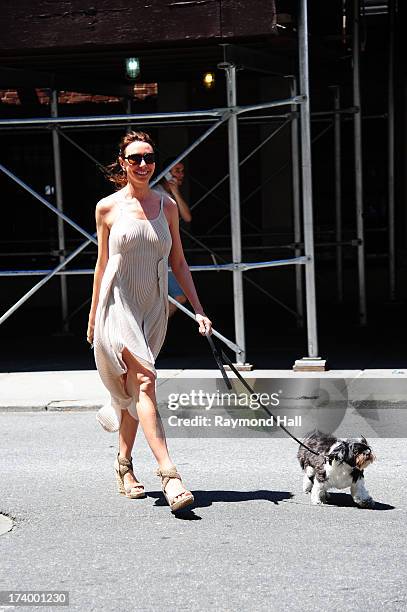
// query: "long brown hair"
[[114, 172]]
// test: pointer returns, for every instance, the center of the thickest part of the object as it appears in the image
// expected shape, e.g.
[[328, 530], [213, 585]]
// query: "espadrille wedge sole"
[[188, 498], [122, 466]]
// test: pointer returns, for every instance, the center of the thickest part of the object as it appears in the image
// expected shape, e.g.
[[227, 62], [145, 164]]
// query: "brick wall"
[[9, 96], [141, 92]]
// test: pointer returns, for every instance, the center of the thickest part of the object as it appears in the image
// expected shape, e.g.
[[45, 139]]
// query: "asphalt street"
[[252, 541]]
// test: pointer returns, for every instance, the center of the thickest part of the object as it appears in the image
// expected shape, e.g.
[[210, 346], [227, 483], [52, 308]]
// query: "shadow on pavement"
[[203, 499], [342, 500]]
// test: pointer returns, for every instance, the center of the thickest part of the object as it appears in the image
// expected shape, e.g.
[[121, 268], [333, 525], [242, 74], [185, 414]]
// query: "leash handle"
[[226, 359]]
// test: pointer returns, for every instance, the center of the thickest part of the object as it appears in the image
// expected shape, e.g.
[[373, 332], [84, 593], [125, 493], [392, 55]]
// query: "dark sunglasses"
[[136, 158]]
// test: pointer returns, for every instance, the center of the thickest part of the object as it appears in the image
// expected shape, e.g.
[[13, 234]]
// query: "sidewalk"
[[83, 389]]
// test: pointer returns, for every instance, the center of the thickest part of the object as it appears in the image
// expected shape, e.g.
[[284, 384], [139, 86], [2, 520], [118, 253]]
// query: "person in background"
[[171, 185]]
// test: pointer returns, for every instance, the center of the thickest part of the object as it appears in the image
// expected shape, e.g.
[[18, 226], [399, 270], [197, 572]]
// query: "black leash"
[[219, 362], [218, 358]]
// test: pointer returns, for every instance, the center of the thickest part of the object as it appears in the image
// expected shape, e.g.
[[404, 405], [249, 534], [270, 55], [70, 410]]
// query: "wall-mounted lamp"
[[132, 67], [209, 80]]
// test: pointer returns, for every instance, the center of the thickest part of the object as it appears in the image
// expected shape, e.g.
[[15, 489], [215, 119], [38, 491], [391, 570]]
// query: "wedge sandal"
[[122, 466], [166, 476]]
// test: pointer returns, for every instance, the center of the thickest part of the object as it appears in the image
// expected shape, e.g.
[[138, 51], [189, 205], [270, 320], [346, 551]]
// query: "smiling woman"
[[116, 172], [138, 230]]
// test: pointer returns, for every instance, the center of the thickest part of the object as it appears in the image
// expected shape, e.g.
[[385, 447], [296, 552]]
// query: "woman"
[[137, 231]]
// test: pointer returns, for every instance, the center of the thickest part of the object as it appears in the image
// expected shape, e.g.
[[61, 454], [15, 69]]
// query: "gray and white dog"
[[339, 464]]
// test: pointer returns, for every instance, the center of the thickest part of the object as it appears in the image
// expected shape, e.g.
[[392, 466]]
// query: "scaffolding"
[[301, 183]]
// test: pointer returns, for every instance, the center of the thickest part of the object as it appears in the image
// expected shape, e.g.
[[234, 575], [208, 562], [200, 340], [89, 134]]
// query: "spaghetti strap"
[[161, 203]]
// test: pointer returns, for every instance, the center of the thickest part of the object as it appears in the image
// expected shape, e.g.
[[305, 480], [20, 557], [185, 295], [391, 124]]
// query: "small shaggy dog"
[[339, 464]]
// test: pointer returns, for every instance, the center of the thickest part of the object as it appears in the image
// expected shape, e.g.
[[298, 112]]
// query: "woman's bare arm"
[[102, 209], [180, 268], [183, 207]]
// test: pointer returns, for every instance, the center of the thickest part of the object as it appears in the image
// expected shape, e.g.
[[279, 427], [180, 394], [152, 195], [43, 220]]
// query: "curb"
[[57, 406]]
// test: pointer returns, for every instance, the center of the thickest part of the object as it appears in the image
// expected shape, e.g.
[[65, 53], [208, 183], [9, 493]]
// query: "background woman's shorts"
[[174, 290]]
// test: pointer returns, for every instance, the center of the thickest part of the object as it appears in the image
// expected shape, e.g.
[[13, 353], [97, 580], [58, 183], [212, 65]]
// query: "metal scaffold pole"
[[234, 188], [129, 111], [56, 150], [357, 119], [307, 181], [295, 173], [338, 192], [390, 120]]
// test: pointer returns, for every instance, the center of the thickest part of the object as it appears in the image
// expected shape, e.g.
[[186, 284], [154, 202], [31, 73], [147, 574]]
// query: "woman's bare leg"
[[127, 435], [150, 419]]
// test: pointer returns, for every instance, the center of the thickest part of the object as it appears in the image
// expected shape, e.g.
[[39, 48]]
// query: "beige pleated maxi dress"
[[132, 310]]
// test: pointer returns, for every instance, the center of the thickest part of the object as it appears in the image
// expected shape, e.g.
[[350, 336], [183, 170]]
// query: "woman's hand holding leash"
[[205, 324]]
